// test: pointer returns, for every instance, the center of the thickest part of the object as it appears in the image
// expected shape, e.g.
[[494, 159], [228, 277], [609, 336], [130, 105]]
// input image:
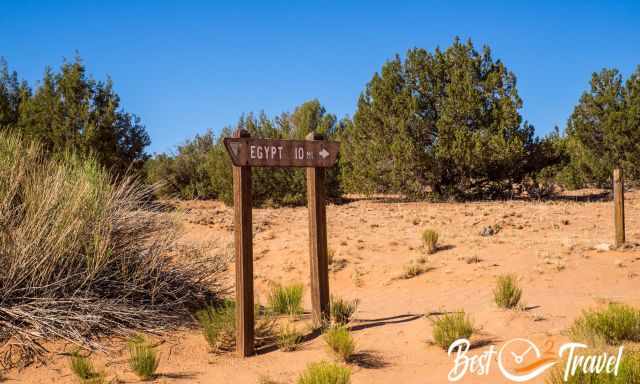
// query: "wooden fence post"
[[318, 240], [618, 203], [244, 257]]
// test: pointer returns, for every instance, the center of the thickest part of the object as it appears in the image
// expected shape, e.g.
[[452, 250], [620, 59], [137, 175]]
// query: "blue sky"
[[187, 66]]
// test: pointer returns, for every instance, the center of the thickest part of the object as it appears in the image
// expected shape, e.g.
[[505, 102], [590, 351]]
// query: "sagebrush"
[[85, 255]]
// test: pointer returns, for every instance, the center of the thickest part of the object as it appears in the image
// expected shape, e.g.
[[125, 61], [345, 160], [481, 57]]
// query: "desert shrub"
[[507, 293], [412, 269], [288, 338], [325, 372], [450, 327], [342, 310], [340, 341], [218, 324], [82, 367], [286, 299], [613, 325], [84, 254], [143, 359], [628, 372], [430, 240]]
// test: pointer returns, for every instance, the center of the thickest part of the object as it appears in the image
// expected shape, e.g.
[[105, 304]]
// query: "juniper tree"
[[444, 120], [603, 131]]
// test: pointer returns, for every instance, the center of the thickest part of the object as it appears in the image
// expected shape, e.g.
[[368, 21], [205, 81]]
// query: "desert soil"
[[551, 246]]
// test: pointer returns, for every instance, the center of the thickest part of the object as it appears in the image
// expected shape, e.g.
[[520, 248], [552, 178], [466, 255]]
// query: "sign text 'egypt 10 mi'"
[[281, 153]]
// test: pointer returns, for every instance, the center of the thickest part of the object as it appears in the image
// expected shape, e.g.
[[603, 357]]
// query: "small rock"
[[603, 247], [619, 264], [487, 231]]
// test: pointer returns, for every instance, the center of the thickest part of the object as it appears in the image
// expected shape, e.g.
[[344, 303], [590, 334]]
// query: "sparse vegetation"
[[450, 327], [628, 372], [430, 240], [288, 338], [218, 324], [84, 255], [340, 341], [325, 372], [413, 269], [507, 293], [342, 310], [286, 300], [143, 359], [82, 367], [615, 324]]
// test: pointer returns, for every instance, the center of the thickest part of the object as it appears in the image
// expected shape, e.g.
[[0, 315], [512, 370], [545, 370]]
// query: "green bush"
[[325, 373], [286, 300], [340, 341], [430, 240], [613, 325], [143, 359], [507, 293], [450, 327], [342, 310]]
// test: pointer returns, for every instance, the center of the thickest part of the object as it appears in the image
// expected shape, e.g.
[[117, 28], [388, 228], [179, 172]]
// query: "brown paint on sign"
[[247, 152]]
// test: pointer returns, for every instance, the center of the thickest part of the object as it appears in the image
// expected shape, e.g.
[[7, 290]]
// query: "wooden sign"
[[313, 153], [248, 152]]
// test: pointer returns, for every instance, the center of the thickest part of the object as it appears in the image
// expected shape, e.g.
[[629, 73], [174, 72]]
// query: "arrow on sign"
[[235, 147], [324, 153]]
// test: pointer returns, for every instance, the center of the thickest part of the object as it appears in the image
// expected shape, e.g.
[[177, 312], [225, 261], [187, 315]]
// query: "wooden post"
[[318, 241], [618, 203], [244, 257]]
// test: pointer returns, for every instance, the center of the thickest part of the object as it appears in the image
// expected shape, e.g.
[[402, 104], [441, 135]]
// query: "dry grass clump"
[[286, 300], [218, 324], [507, 293], [430, 240], [412, 269], [342, 310], [615, 324], [143, 359], [325, 372], [451, 327], [85, 255], [340, 341]]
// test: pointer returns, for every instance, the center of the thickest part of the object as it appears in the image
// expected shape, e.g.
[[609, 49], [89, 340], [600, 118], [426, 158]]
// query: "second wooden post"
[[618, 202], [318, 241]]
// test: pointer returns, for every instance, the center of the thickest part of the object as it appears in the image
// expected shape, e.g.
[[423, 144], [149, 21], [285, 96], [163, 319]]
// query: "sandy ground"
[[549, 245]]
